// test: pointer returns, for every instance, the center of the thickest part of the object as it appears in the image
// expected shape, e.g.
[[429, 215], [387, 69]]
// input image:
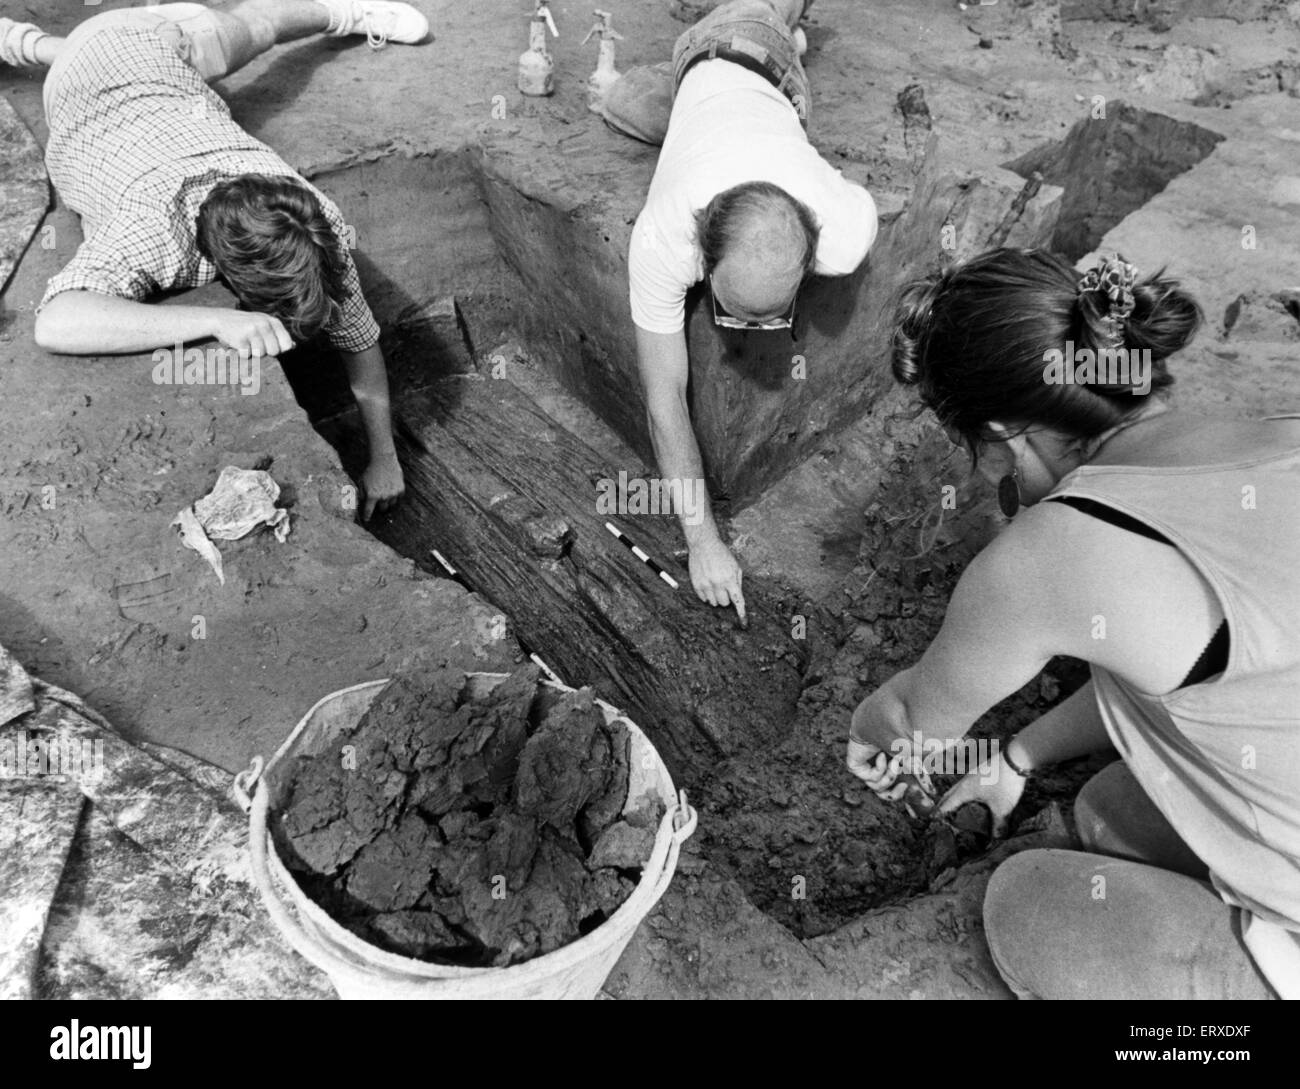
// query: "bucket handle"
[[684, 819], [244, 783], [681, 821]]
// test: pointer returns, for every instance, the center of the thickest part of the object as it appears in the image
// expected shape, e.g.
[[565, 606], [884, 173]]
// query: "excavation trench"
[[497, 306], [1111, 165]]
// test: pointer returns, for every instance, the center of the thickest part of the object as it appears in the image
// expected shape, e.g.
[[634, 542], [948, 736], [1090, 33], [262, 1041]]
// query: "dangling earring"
[[1009, 493]]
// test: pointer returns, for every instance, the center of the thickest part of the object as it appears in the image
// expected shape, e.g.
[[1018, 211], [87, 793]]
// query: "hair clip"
[[1115, 277]]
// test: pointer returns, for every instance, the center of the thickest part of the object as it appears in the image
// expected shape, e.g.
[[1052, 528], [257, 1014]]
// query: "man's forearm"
[[369, 381], [664, 370], [88, 323], [678, 454], [1073, 727]]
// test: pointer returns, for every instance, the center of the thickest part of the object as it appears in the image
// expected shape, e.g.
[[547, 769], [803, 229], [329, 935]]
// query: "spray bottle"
[[536, 69], [599, 81]]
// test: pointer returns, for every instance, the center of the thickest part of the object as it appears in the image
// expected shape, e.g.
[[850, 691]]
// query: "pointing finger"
[[738, 599]]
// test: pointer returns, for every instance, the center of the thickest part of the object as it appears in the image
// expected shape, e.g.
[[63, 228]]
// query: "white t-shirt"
[[730, 126]]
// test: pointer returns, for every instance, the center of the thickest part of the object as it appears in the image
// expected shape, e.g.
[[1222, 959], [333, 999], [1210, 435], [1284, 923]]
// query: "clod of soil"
[[472, 829]]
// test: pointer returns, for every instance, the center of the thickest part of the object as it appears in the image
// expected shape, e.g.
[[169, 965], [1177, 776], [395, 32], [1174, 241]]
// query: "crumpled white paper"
[[241, 500]]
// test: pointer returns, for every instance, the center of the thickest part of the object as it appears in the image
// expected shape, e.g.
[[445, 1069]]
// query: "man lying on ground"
[[173, 194], [741, 199]]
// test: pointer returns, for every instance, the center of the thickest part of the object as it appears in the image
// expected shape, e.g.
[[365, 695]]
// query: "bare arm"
[[997, 634], [88, 323], [664, 375], [664, 372], [91, 323], [1002, 626], [1015, 607], [368, 378], [1073, 727]]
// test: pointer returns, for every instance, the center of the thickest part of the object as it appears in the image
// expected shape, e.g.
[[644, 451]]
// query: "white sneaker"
[[380, 21]]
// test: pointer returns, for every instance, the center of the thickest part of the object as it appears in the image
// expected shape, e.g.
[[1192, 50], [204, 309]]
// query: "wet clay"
[[469, 828]]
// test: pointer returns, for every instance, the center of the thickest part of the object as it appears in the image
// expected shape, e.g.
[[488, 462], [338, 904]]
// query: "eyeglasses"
[[722, 318]]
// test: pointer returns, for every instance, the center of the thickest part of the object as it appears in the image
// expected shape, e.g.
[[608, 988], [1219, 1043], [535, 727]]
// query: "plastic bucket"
[[359, 969]]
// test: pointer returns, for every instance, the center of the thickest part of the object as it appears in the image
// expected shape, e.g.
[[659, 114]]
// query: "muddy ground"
[[448, 199]]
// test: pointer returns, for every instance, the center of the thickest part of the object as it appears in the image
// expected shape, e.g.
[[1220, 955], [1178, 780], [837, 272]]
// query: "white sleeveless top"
[[1221, 759]]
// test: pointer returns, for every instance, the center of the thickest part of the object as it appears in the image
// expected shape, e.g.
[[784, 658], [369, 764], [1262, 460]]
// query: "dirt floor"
[[798, 882]]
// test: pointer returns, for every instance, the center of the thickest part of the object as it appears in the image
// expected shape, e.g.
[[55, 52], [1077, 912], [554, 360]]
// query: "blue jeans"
[[640, 103], [1131, 917], [751, 29]]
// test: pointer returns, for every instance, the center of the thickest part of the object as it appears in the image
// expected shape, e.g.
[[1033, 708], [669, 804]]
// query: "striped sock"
[[29, 44], [340, 12], [18, 43]]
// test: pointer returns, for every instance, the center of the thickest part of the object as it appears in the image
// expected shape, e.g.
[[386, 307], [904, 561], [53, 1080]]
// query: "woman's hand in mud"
[[993, 784], [873, 766], [868, 761]]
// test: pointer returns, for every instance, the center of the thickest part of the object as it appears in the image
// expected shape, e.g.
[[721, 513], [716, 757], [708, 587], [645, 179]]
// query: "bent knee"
[[1009, 890], [1102, 797]]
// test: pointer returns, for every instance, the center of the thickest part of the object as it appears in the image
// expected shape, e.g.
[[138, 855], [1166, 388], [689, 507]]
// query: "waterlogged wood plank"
[[518, 505]]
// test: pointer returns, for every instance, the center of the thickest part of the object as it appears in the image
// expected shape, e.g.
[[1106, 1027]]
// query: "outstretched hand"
[[716, 576], [383, 484]]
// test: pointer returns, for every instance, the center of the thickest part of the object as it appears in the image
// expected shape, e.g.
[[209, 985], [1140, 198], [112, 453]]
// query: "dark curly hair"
[[272, 244], [973, 340]]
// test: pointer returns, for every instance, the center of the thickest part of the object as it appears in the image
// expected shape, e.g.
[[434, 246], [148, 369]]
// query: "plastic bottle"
[[599, 81], [536, 68]]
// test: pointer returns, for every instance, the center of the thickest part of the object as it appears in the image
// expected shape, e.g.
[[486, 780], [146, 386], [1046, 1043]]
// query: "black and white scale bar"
[[550, 673], [640, 554]]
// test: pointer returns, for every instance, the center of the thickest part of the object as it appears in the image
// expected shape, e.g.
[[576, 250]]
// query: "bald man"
[[741, 200]]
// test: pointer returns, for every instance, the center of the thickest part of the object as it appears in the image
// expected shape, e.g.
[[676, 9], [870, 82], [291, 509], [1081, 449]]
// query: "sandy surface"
[[97, 595]]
